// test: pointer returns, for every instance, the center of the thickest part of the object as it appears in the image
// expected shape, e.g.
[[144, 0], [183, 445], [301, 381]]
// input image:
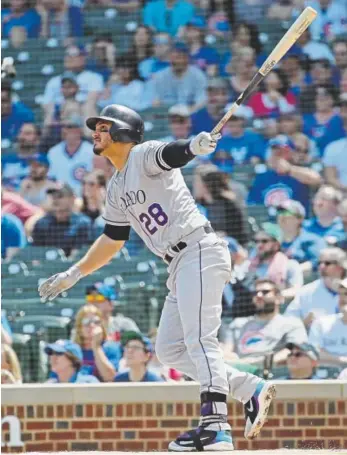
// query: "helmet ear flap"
[[113, 132]]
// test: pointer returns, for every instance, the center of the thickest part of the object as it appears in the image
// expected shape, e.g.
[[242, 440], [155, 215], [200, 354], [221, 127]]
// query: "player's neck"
[[119, 155]]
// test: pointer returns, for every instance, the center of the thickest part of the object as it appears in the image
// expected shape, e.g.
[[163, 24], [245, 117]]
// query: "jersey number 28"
[[155, 215]]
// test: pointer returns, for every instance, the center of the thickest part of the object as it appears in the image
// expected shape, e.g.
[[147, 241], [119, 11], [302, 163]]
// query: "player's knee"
[[169, 353]]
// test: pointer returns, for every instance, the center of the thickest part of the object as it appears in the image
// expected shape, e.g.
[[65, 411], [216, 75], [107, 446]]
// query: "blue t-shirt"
[[149, 376], [271, 188], [156, 15], [334, 230], [77, 378], [30, 20], [11, 124], [205, 56], [305, 247], [14, 170], [150, 66], [202, 121], [323, 134], [12, 233], [113, 353], [242, 149]]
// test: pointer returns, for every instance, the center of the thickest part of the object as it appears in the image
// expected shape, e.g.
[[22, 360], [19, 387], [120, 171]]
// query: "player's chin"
[[98, 149]]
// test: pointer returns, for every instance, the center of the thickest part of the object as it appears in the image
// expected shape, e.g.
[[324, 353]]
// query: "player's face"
[[101, 138], [135, 354]]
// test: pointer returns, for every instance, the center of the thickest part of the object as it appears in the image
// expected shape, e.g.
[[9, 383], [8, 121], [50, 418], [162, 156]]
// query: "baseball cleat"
[[202, 439], [257, 408]]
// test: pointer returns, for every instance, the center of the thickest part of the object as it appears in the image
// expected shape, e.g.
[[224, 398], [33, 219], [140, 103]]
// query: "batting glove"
[[59, 282], [204, 143]]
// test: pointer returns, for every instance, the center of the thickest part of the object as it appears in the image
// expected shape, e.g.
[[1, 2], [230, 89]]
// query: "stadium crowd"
[[285, 309]]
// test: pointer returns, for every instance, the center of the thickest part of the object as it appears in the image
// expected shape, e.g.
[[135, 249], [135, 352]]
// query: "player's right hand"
[[204, 143], [58, 283]]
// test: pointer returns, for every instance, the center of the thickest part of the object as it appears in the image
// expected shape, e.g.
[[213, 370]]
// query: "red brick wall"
[[291, 424]]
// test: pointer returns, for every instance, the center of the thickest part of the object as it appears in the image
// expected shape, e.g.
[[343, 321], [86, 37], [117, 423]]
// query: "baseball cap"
[[64, 347], [197, 21], [180, 47], [69, 76], [75, 51], [73, 120], [132, 335], [273, 231], [39, 158], [309, 349], [217, 82], [181, 110], [107, 292], [62, 189], [293, 207], [281, 141]]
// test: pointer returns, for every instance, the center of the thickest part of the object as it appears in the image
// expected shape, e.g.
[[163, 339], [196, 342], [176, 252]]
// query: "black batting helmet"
[[127, 125]]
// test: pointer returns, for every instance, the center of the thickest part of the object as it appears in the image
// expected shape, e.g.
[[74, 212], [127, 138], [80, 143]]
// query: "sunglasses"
[[178, 119], [89, 321], [264, 241], [98, 298], [56, 353], [297, 354], [89, 183], [327, 263], [262, 292], [134, 348], [301, 150]]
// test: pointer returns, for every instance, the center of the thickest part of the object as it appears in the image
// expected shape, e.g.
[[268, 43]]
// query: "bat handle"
[[225, 118]]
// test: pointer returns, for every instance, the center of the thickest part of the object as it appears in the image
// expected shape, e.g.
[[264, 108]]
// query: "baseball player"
[[148, 193]]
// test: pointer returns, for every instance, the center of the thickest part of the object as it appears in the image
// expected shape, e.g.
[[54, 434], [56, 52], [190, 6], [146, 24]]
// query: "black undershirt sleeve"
[[117, 232], [177, 154]]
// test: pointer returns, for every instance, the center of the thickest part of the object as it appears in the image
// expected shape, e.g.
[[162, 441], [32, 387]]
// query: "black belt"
[[182, 245]]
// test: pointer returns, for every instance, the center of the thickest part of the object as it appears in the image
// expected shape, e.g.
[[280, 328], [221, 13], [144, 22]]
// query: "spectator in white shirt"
[[331, 20], [329, 333], [72, 158], [315, 50], [320, 297], [334, 160], [90, 83]]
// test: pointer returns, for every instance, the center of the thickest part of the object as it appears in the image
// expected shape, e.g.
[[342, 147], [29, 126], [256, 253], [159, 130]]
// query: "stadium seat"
[[15, 268], [32, 254]]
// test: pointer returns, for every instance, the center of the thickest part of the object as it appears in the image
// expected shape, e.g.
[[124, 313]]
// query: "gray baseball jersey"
[[153, 199]]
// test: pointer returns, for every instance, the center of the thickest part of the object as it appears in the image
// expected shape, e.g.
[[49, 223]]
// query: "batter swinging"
[[148, 193]]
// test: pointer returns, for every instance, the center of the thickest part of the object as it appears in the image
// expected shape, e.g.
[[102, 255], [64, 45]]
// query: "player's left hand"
[[204, 143]]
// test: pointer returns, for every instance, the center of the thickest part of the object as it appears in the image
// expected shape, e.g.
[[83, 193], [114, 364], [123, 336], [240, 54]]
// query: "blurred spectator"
[[343, 375], [6, 331], [339, 47], [324, 125], [142, 47], [244, 35], [72, 158], [156, 366], [305, 150], [20, 16], [93, 194], [314, 50], [34, 187], [124, 86], [241, 70], [13, 113], [90, 83], [138, 350], [167, 15], [302, 361], [329, 333], [283, 180], [105, 298], [179, 122], [224, 209], [274, 99], [267, 332], [293, 68], [102, 56], [14, 203], [160, 58], [320, 296], [321, 75], [181, 83], [62, 227], [250, 10], [204, 57], [217, 98], [268, 261], [342, 210], [15, 166], [127, 6], [100, 357], [326, 221], [10, 368], [59, 19], [218, 20], [334, 158], [281, 10], [240, 144], [331, 20], [12, 236], [65, 359], [297, 243]]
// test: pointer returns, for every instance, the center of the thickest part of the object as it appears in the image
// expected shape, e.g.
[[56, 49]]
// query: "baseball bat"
[[293, 33]]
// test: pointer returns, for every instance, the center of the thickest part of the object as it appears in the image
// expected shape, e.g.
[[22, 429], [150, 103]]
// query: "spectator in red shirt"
[[15, 204], [274, 99]]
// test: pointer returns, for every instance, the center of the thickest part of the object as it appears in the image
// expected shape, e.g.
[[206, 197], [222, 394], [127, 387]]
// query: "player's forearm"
[[106, 369], [99, 254], [177, 154], [305, 175]]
